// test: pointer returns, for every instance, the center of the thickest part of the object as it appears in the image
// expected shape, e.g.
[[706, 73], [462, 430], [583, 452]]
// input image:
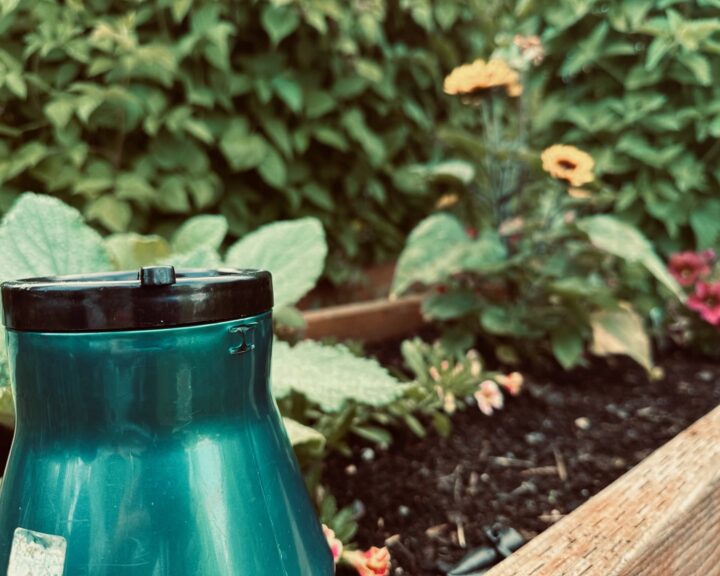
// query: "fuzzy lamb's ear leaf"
[[294, 251], [42, 236], [330, 376]]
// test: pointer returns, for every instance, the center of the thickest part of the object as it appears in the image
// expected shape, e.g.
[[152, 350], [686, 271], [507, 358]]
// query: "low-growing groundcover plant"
[[534, 262], [324, 392]]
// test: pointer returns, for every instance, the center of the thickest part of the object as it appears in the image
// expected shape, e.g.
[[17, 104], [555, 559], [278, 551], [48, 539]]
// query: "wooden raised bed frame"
[[660, 519]]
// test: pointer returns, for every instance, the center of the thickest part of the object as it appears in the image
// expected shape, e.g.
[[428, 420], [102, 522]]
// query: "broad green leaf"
[[272, 169], [449, 306], [41, 236], [434, 250], [200, 231], [303, 436], [625, 241], [132, 251], [621, 331], [279, 21], [293, 251], [331, 376], [485, 255]]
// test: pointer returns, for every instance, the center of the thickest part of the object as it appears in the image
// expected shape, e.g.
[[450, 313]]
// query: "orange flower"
[[569, 164], [373, 562], [482, 76], [513, 382]]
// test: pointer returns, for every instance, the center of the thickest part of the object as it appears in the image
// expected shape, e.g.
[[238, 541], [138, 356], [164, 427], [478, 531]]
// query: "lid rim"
[[123, 301]]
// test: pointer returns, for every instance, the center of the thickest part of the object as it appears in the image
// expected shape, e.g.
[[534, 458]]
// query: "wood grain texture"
[[660, 519], [366, 321]]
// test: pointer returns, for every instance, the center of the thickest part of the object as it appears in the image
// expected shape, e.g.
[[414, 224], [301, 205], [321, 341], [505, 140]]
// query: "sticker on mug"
[[37, 554]]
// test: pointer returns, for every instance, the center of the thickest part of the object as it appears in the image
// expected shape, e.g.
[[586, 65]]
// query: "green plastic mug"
[[147, 440]]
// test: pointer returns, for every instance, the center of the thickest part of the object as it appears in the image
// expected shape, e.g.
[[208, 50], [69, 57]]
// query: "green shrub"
[[141, 113], [636, 84]]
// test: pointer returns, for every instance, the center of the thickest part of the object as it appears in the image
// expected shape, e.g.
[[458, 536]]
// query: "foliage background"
[[143, 113], [635, 83]]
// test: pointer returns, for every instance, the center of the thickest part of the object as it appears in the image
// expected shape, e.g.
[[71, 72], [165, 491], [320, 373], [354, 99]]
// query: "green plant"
[[143, 113], [536, 261], [633, 83], [42, 236]]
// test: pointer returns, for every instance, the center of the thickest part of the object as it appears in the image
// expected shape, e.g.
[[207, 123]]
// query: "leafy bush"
[[635, 83], [140, 113]]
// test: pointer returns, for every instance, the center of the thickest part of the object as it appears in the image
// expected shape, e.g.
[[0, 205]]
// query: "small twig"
[[560, 464], [461, 534], [540, 471]]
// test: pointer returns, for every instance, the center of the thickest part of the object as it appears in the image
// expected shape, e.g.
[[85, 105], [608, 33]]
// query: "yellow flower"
[[481, 76], [569, 164]]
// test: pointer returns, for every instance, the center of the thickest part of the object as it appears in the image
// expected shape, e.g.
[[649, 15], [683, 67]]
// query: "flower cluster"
[[372, 562], [693, 270], [480, 77], [489, 397]]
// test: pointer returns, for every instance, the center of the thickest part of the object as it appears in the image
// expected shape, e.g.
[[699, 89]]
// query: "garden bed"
[[566, 438]]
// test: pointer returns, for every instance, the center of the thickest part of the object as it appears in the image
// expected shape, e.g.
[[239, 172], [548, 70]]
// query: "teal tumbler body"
[[154, 452]]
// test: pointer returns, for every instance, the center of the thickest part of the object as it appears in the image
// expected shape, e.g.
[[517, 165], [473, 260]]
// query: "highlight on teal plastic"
[[156, 452]]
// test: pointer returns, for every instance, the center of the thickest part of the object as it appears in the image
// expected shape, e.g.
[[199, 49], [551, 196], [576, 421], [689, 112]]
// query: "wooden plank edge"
[[661, 518], [366, 321]]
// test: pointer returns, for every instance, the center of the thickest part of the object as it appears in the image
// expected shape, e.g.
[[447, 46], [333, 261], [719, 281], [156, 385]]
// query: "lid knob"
[[157, 276]]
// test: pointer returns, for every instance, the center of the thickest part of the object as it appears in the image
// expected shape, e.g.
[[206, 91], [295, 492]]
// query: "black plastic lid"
[[154, 297]]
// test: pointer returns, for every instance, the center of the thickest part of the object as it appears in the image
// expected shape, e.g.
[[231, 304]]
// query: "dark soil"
[[564, 439]]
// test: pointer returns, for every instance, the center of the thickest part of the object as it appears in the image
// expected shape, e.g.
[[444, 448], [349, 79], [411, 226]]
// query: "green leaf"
[[354, 122], [449, 306], [132, 251], [567, 347], [201, 257], [293, 251], [111, 212], [272, 169], [303, 436], [289, 92], [485, 255], [331, 376], [433, 251], [705, 222], [200, 231], [625, 241], [279, 21], [621, 331], [242, 149], [502, 322], [41, 236]]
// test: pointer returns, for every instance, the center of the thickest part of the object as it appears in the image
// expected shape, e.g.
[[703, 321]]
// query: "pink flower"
[[689, 267], [489, 397], [706, 301], [513, 382], [373, 562], [336, 547]]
